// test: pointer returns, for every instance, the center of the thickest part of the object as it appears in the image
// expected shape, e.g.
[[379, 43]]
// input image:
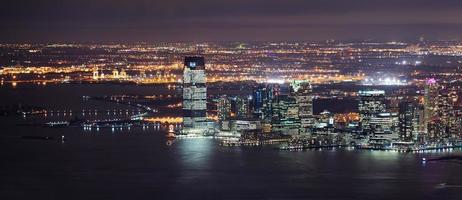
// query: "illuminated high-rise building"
[[194, 96], [285, 117], [446, 114], [410, 115], [384, 124], [303, 93], [224, 108], [455, 127], [441, 117], [273, 91], [383, 129], [259, 98], [242, 107], [371, 103], [262, 99], [431, 94]]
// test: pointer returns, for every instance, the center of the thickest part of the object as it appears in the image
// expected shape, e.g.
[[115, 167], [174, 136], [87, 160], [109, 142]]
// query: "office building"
[[371, 103], [303, 93], [224, 108], [242, 107], [285, 117], [262, 101], [410, 117], [194, 96]]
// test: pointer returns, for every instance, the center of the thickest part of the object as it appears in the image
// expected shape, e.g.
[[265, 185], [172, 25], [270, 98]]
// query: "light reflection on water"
[[198, 166], [194, 157], [118, 164]]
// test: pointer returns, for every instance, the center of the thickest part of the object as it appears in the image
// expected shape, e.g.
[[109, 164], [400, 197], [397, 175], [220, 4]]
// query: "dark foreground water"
[[138, 164]]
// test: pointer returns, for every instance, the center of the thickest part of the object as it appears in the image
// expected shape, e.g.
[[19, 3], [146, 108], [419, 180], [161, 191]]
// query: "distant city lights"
[[384, 81]]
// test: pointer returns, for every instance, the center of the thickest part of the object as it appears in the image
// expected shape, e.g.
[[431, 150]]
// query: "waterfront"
[[139, 164], [262, 99]]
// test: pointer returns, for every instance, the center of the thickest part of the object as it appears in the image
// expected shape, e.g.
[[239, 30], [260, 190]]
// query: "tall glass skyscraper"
[[285, 117], [431, 94], [194, 96], [303, 92], [371, 103], [410, 116]]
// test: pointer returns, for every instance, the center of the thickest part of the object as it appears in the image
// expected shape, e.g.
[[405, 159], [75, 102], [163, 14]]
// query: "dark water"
[[138, 164]]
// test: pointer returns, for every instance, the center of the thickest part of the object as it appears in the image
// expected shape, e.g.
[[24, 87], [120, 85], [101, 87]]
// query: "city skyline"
[[231, 99]]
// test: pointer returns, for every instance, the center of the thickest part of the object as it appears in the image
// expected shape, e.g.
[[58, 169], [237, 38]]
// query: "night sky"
[[228, 20]]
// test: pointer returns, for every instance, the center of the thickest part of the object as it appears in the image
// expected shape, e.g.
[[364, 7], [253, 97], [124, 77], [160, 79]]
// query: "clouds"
[[155, 20]]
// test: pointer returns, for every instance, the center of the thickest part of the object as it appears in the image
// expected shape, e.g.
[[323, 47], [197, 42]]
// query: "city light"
[[259, 99]]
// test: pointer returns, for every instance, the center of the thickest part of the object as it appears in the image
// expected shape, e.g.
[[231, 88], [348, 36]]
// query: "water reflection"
[[194, 156]]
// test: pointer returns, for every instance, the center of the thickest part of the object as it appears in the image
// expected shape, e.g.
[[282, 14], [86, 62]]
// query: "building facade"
[[224, 108], [371, 103], [194, 96], [242, 108], [285, 117], [410, 117], [303, 93]]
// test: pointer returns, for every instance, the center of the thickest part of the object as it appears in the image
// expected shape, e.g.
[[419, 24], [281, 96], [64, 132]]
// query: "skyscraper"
[[224, 108], [242, 107], [371, 103], [441, 116], [302, 92], [285, 117], [383, 129], [259, 97], [410, 115], [431, 94], [272, 93], [446, 113], [262, 98], [194, 96]]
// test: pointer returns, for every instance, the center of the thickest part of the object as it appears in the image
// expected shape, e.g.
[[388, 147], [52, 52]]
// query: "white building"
[[194, 96]]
